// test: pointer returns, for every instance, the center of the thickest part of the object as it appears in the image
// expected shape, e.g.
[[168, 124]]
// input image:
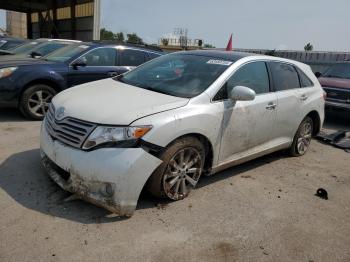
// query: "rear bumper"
[[109, 177], [331, 104]]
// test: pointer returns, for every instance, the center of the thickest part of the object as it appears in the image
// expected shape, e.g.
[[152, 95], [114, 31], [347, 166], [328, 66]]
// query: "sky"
[[270, 24]]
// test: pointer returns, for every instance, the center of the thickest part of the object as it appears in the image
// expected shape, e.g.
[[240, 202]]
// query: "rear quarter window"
[[304, 79]]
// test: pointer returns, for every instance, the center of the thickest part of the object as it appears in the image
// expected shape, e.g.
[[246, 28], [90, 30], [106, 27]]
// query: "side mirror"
[[35, 55], [318, 74], [79, 62], [242, 93]]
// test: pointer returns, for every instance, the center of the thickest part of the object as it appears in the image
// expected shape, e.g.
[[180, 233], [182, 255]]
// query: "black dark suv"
[[29, 84]]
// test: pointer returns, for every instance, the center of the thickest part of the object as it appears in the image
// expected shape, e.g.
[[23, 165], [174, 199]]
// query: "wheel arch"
[[314, 115], [43, 81], [208, 147]]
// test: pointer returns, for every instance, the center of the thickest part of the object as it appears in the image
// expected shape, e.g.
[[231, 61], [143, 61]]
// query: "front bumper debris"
[[111, 178]]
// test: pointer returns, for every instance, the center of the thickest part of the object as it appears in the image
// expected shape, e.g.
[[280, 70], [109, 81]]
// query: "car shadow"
[[25, 181], [239, 169], [337, 120], [11, 115]]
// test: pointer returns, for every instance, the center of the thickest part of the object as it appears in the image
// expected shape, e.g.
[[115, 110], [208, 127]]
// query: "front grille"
[[337, 94], [69, 130]]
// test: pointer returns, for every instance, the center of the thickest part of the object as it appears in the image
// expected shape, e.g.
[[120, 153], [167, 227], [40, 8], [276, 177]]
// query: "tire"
[[179, 169], [33, 105], [302, 138]]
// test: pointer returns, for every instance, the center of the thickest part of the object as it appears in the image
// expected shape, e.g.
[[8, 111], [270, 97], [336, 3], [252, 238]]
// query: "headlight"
[[5, 72], [106, 134]]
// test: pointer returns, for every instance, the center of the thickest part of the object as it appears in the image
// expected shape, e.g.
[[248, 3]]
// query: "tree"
[[308, 47], [119, 37], [165, 41], [209, 46], [134, 39], [200, 42], [106, 34]]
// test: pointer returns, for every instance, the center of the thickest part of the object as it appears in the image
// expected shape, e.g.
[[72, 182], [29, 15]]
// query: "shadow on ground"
[[337, 120], [24, 180], [11, 115]]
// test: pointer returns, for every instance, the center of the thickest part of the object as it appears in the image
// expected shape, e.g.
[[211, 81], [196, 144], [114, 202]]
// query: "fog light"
[[107, 190]]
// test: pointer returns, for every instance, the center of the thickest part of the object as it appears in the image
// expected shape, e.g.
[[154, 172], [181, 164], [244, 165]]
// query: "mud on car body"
[[165, 123]]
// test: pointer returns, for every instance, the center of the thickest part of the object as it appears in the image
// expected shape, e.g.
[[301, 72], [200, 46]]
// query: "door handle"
[[303, 97], [111, 74], [271, 106]]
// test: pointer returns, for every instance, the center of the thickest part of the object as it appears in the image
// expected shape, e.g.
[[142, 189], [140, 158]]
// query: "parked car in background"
[[29, 84], [165, 123], [35, 49], [7, 43], [336, 82]]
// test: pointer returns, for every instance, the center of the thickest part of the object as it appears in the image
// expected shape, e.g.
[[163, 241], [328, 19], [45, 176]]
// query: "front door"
[[247, 124], [100, 63]]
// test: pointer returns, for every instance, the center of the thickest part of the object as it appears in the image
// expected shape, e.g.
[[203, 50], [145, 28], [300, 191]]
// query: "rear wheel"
[[35, 101], [180, 171], [302, 138]]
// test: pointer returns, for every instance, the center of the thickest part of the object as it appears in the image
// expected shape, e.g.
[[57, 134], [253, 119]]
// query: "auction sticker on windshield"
[[219, 62]]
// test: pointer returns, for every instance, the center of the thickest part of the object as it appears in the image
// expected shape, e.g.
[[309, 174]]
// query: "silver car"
[[173, 119]]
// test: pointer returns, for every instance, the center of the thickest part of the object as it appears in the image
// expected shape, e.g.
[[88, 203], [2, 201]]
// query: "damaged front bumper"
[[108, 177]]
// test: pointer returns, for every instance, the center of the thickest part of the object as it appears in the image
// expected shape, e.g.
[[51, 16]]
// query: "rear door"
[[129, 58], [100, 63], [290, 98]]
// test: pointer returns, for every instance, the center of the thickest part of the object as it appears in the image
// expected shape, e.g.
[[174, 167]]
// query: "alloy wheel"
[[38, 102], [182, 173], [304, 137]]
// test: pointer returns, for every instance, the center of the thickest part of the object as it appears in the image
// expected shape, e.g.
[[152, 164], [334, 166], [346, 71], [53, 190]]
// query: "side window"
[[101, 57], [253, 75], [304, 80], [285, 76], [129, 57], [152, 55]]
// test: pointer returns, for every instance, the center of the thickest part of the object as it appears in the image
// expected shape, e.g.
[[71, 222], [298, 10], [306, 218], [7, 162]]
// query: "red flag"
[[229, 44]]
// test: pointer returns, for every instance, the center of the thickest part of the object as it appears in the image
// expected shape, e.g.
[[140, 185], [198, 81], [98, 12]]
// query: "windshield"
[[182, 75], [48, 48], [7, 45], [25, 47], [66, 53], [339, 71]]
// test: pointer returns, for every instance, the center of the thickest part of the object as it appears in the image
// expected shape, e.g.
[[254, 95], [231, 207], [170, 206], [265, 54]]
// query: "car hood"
[[111, 102], [6, 61], [334, 82]]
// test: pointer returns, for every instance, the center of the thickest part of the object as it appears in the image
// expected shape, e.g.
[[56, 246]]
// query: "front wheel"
[[302, 138], [180, 171], [35, 101]]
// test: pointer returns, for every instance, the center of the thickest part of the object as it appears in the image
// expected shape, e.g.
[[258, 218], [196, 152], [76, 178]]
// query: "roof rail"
[[113, 42]]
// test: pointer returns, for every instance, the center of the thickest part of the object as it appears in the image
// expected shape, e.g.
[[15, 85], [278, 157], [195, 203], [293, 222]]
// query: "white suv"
[[174, 118]]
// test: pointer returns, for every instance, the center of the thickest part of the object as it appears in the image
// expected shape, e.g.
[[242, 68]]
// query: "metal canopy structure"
[[73, 19]]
